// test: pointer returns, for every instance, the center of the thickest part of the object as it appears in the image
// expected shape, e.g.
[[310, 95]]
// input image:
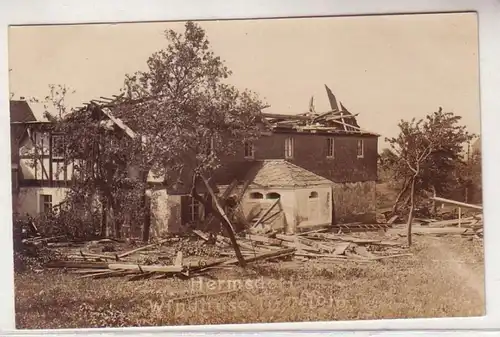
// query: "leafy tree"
[[428, 151], [190, 119]]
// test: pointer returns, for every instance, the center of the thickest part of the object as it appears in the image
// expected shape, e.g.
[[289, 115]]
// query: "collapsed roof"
[[338, 120]]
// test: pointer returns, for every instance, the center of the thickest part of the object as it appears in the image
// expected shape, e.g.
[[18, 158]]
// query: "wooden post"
[[459, 217], [51, 173]]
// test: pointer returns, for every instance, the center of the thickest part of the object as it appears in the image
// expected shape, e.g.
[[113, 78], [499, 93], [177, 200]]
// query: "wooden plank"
[[77, 264], [119, 123], [266, 213], [98, 256], [457, 203], [141, 268], [392, 219], [341, 248], [122, 255], [202, 235], [362, 251], [427, 230], [99, 273], [452, 222], [306, 254], [178, 259], [51, 168], [263, 256], [319, 246]]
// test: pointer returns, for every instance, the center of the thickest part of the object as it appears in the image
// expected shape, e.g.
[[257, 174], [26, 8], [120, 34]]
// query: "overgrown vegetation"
[[186, 119], [428, 158]]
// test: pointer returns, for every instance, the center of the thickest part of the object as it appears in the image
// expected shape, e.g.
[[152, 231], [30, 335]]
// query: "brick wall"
[[310, 152]]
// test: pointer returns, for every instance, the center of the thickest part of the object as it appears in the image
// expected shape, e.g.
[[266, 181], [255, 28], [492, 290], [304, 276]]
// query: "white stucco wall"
[[165, 212], [314, 211], [28, 200], [287, 201]]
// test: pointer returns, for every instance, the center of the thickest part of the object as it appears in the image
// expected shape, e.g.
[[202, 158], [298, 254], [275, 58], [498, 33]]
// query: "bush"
[[73, 224]]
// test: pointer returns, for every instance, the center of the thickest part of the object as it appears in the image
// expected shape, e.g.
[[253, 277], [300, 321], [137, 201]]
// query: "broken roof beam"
[[287, 117], [120, 124], [354, 127]]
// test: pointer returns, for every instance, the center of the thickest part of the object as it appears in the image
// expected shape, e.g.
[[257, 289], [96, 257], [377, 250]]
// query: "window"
[[249, 150], [273, 195], [193, 210], [313, 195], [289, 147], [256, 195], [330, 149], [360, 148], [57, 147], [45, 203]]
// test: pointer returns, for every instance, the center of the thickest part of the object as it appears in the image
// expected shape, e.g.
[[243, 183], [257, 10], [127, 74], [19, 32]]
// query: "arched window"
[[273, 195], [313, 195], [256, 195]]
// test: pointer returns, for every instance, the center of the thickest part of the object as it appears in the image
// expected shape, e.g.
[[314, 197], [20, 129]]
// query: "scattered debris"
[[198, 252]]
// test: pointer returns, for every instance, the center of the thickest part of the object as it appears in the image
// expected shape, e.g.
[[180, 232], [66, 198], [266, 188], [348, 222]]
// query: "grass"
[[443, 278]]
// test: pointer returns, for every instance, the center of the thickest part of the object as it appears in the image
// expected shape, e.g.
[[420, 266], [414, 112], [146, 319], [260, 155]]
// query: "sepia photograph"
[[246, 171]]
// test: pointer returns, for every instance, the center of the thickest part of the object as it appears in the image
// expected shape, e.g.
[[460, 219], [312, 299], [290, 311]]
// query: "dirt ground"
[[443, 278]]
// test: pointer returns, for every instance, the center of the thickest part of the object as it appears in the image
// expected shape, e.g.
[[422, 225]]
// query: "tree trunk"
[[104, 218], [400, 195], [412, 207], [146, 208], [434, 210], [217, 212], [147, 217]]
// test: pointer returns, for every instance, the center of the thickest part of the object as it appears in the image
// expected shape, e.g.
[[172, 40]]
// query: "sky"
[[384, 68]]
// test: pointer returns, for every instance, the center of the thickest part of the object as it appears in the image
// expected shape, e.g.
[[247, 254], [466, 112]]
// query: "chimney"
[[22, 98]]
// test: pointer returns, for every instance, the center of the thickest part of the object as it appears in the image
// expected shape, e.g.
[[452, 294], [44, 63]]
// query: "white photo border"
[[22, 12]]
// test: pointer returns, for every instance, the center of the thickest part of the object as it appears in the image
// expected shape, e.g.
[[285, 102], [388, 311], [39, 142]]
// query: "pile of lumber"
[[318, 245], [175, 256], [468, 227]]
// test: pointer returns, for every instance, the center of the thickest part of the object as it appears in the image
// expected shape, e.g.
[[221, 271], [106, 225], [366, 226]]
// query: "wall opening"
[[256, 195], [313, 195], [273, 195]]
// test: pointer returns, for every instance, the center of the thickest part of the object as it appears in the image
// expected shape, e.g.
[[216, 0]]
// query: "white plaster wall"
[[28, 200], [323, 216], [287, 201], [165, 212], [26, 148]]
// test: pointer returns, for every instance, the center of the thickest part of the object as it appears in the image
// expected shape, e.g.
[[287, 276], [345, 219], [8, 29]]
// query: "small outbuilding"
[[298, 197]]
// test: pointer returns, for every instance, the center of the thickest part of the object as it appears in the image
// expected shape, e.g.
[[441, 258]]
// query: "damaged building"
[[306, 170]]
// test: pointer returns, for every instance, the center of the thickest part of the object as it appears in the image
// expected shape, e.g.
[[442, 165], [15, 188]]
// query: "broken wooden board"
[[264, 256], [362, 251], [122, 255], [452, 222], [341, 248], [145, 268], [427, 230], [392, 219]]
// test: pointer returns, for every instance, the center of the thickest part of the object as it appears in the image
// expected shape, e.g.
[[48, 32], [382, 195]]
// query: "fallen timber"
[[323, 245]]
